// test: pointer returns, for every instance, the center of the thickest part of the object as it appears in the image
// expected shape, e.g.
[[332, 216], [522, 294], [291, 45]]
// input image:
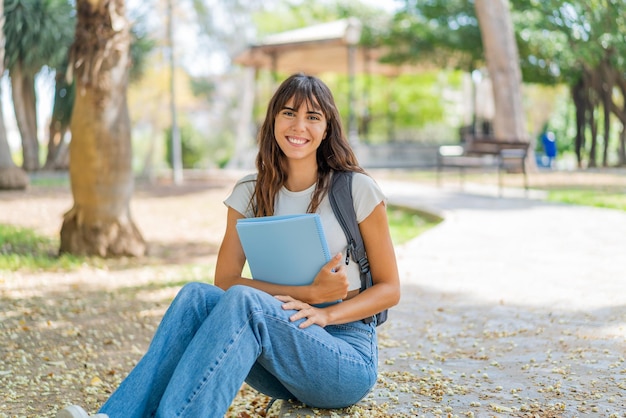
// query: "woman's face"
[[299, 132]]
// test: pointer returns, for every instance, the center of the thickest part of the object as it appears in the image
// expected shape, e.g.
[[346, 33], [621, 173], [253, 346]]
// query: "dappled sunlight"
[[470, 355], [508, 307], [546, 255], [157, 296], [154, 313], [74, 334]]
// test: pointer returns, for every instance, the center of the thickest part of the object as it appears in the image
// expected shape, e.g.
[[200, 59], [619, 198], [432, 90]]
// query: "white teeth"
[[296, 141]]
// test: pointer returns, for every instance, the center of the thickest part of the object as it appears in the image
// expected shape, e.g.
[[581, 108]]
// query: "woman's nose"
[[299, 124]]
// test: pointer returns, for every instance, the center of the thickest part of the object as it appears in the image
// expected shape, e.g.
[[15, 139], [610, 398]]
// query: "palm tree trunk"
[[11, 176], [25, 105], [100, 222]]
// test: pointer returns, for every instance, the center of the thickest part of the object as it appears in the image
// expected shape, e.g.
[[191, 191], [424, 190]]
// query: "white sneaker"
[[75, 411]]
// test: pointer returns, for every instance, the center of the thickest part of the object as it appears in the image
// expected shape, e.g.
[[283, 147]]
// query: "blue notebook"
[[286, 249]]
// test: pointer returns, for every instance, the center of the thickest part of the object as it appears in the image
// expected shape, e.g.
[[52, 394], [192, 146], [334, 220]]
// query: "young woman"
[[213, 338]]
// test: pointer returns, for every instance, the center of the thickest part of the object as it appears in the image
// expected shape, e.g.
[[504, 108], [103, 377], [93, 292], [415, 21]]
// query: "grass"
[[24, 249], [610, 199], [406, 224], [49, 180], [603, 188]]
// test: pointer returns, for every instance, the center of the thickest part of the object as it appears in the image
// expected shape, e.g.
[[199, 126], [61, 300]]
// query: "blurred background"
[[424, 84]]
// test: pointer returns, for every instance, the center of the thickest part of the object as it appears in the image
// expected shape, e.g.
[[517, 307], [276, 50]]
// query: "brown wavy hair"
[[334, 153]]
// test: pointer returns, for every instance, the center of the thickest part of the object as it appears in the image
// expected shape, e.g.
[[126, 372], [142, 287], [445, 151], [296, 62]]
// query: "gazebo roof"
[[318, 49]]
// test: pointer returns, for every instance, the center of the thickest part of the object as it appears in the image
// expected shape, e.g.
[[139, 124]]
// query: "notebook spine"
[[320, 231]]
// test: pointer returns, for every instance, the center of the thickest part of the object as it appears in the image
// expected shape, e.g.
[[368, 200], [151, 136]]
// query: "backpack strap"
[[341, 201], [343, 207]]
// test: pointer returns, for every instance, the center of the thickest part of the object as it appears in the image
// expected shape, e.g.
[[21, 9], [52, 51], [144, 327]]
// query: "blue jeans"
[[210, 341]]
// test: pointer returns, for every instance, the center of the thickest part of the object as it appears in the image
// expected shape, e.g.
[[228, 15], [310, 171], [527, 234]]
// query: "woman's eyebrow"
[[315, 112]]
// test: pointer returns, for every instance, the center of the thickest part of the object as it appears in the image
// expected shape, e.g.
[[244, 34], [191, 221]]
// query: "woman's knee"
[[242, 291], [196, 293], [249, 299], [192, 290]]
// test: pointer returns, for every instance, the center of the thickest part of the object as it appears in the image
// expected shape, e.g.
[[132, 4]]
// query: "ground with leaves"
[[71, 337]]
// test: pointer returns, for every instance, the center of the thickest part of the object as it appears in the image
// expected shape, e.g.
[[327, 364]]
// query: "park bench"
[[506, 156]]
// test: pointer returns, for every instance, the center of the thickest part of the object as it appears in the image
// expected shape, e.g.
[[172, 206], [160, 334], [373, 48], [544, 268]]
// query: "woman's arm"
[[385, 292], [331, 283]]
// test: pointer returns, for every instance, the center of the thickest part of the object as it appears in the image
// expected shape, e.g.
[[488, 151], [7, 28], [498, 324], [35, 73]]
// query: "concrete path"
[[511, 307]]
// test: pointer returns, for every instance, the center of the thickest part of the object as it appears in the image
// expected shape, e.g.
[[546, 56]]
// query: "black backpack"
[[341, 201]]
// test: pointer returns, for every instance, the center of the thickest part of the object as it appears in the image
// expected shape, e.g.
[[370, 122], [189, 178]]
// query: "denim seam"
[[349, 328]]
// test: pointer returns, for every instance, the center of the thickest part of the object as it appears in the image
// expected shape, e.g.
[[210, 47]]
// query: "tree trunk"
[[607, 84], [621, 160], [607, 130], [25, 105], [593, 87], [621, 115], [100, 222], [579, 96], [57, 157], [11, 176], [58, 150], [502, 59], [593, 125]]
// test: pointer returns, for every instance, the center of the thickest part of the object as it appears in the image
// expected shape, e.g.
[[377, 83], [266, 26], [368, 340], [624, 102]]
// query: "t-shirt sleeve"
[[366, 195], [241, 195]]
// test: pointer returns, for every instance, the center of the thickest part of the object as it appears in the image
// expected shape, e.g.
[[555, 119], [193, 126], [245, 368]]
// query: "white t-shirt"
[[366, 195]]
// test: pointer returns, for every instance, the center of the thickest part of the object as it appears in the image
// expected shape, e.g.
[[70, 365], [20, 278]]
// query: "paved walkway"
[[511, 307]]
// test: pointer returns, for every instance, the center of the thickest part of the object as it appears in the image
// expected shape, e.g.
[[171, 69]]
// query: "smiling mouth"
[[296, 141]]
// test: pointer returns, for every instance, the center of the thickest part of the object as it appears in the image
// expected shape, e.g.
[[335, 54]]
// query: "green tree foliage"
[[441, 32], [583, 44], [191, 146], [38, 33], [580, 43], [202, 87], [410, 107], [141, 46]]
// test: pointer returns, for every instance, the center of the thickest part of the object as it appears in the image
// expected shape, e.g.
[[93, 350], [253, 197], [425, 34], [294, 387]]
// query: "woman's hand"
[[331, 283], [312, 314]]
